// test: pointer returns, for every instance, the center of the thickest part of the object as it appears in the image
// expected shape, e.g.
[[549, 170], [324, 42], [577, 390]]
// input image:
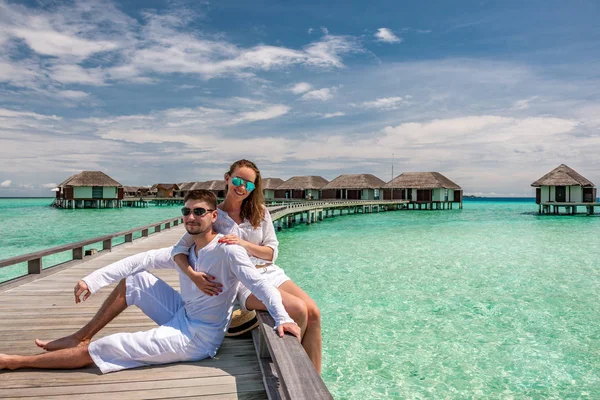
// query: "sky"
[[492, 94]]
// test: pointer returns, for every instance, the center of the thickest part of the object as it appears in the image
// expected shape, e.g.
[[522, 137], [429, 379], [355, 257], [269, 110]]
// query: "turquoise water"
[[488, 302], [28, 225]]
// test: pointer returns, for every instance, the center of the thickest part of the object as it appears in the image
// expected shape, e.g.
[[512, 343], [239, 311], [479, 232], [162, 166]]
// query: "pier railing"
[[288, 373], [34, 260]]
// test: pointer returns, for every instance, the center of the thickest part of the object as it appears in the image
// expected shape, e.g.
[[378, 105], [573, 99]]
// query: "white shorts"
[[276, 277], [171, 342]]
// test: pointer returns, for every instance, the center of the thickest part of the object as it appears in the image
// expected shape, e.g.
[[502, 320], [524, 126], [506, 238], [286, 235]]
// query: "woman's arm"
[[256, 250], [267, 249], [205, 282]]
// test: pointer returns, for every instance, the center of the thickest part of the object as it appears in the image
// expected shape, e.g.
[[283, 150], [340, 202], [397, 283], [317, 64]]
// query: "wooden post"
[[129, 238], [34, 266], [107, 245], [168, 225], [176, 222], [157, 228], [144, 232], [78, 253]]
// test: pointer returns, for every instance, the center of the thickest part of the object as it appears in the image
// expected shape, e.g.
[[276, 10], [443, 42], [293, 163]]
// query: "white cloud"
[[301, 87], [325, 30], [5, 113], [6, 183], [124, 49], [73, 94], [387, 103], [268, 113], [332, 115], [75, 74], [523, 104], [48, 185], [319, 94], [387, 36], [310, 31]]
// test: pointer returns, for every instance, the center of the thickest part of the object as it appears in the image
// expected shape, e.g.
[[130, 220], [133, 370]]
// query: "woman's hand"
[[232, 239], [206, 283]]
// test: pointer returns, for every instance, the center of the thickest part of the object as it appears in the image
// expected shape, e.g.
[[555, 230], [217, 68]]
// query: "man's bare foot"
[[66, 342], [6, 362]]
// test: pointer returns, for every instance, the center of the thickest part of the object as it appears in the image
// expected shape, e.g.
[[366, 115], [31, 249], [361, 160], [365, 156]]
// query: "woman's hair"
[[252, 206]]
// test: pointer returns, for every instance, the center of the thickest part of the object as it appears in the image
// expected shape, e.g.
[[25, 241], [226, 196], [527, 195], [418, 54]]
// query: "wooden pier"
[[41, 305], [287, 214]]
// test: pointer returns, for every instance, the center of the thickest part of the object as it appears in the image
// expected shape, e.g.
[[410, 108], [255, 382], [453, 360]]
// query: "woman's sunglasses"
[[237, 181], [198, 212]]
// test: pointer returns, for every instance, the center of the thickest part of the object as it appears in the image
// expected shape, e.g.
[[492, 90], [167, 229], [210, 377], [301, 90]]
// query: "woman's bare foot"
[[62, 343], [6, 362]]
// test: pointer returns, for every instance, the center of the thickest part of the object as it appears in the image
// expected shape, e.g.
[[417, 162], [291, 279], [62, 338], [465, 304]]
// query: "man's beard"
[[195, 229]]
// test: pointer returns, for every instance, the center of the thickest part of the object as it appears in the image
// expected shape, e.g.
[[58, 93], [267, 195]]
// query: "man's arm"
[[114, 272], [269, 295]]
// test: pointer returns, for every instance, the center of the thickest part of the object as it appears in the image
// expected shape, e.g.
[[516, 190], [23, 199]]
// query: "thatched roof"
[[562, 176], [165, 186], [355, 181], [195, 186], [303, 183], [271, 183], [211, 185], [186, 185], [90, 178], [421, 180], [131, 188]]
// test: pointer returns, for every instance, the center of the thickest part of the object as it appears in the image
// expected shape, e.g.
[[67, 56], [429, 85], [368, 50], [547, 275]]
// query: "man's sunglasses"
[[198, 212], [237, 181]]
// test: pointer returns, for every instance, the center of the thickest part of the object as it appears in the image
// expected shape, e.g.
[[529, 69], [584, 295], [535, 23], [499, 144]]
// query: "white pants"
[[275, 275], [172, 341]]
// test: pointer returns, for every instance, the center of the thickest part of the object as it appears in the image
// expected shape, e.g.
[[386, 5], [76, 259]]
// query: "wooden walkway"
[[44, 308]]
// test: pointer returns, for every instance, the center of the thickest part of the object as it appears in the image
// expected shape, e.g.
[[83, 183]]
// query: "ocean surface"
[[28, 225], [489, 302]]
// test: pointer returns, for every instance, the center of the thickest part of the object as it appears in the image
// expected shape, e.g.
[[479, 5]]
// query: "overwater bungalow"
[[301, 188], [215, 186], [165, 190], [353, 187], [89, 189], [424, 189], [564, 187], [184, 187], [130, 191], [144, 191], [269, 185]]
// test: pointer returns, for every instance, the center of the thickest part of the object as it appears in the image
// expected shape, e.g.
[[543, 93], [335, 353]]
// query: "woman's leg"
[[312, 340], [301, 308], [294, 306]]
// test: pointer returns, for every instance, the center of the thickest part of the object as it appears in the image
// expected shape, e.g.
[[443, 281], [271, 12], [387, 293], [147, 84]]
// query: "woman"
[[243, 205]]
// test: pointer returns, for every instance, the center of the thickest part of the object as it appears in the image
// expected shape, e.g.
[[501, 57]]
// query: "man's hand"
[[206, 283], [290, 327], [80, 289]]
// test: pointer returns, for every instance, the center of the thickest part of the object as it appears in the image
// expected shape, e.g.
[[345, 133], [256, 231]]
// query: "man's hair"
[[202, 195]]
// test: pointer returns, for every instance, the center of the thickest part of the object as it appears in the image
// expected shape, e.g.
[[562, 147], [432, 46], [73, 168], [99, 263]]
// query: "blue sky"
[[491, 94]]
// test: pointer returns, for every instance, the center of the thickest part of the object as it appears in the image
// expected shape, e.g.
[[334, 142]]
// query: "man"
[[191, 324]]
